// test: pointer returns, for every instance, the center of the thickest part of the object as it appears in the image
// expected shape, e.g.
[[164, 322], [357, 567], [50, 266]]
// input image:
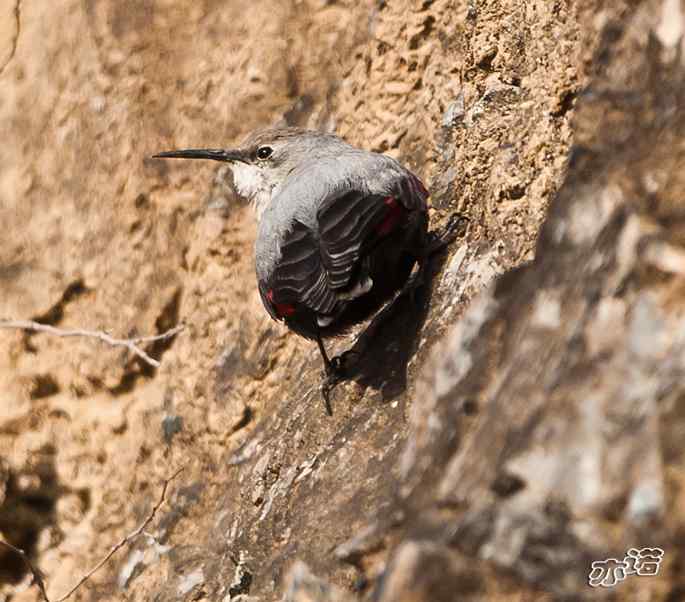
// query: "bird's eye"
[[264, 152]]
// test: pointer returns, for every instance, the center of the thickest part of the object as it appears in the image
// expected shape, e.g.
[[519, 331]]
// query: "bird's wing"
[[299, 276], [316, 267], [348, 224]]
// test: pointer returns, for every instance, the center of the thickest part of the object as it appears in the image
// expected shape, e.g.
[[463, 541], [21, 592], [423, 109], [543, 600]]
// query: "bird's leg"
[[436, 243], [334, 374], [447, 236], [336, 365], [326, 362]]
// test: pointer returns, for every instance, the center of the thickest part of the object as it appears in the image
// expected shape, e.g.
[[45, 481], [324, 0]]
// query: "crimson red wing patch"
[[393, 217], [282, 309]]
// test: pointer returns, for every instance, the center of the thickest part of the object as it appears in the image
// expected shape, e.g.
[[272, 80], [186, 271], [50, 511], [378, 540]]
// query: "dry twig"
[[130, 344], [38, 576]]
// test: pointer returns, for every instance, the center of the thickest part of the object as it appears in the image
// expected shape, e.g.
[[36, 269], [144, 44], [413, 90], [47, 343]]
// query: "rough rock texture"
[[520, 420], [546, 433]]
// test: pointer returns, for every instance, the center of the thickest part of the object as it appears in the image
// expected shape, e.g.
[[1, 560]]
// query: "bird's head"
[[265, 159]]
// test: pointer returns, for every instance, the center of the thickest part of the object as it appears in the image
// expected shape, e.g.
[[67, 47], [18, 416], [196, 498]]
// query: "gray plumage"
[[340, 228], [315, 180]]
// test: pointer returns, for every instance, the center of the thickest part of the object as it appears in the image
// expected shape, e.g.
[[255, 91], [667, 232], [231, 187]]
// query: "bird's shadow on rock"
[[382, 352]]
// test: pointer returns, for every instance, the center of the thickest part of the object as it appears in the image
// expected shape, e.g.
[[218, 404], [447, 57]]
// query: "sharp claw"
[[335, 371], [329, 383], [326, 394], [448, 235]]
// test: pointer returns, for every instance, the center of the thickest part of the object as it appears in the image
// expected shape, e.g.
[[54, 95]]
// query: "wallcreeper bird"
[[340, 229]]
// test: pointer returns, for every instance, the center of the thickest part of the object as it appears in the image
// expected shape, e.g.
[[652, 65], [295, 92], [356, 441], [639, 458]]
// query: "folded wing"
[[319, 269]]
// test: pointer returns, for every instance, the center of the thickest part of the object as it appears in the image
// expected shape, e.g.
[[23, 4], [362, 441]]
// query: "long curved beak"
[[215, 154]]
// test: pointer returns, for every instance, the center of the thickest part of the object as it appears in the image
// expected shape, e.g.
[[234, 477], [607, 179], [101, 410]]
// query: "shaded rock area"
[[519, 420]]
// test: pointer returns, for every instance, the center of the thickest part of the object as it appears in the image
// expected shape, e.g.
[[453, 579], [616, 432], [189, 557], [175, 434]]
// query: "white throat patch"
[[250, 183]]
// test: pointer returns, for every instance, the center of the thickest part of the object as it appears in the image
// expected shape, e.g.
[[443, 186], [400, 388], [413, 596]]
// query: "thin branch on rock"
[[15, 39], [126, 540], [130, 344], [38, 576]]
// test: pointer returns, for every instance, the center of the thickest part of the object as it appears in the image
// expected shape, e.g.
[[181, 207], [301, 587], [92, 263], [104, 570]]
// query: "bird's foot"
[[335, 371], [438, 242], [329, 383], [447, 235]]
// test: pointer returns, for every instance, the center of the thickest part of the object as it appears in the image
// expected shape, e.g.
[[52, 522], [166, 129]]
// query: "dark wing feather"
[[312, 269], [268, 303], [299, 277], [346, 226]]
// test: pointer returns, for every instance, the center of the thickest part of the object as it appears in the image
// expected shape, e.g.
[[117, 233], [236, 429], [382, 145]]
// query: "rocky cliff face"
[[520, 420]]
